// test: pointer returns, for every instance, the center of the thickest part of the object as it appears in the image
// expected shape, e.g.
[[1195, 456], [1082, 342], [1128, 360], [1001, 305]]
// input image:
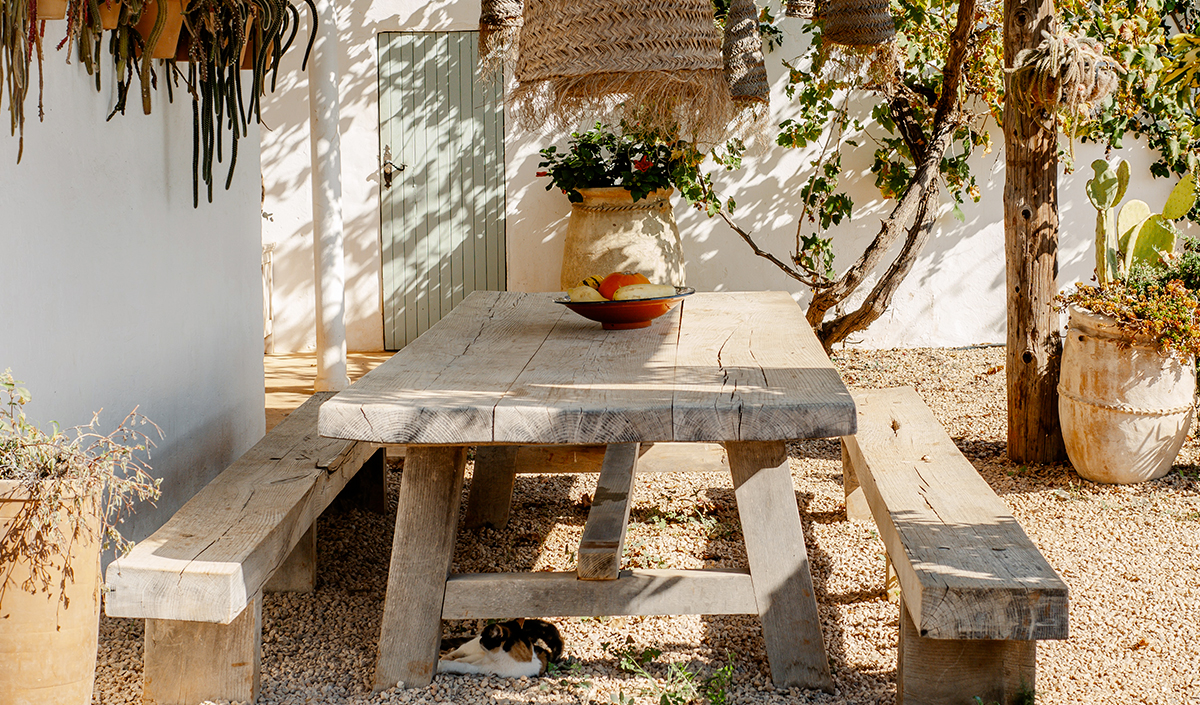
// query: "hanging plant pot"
[[608, 232], [168, 39], [110, 13], [49, 644], [1125, 406], [52, 9]]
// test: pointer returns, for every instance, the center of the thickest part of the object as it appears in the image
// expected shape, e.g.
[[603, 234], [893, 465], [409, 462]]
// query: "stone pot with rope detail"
[[1125, 405], [609, 232]]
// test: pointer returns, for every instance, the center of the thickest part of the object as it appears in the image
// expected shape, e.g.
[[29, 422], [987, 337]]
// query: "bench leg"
[[857, 508], [422, 551], [787, 605], [190, 662], [955, 672], [490, 498], [299, 572]]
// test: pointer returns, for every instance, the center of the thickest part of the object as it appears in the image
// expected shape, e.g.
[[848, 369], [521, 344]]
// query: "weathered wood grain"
[[857, 508], [220, 548], [299, 572], [966, 568], [444, 386], [956, 671], [586, 385], [490, 498], [422, 549], [190, 662], [514, 368], [635, 592], [749, 368], [603, 537], [778, 561]]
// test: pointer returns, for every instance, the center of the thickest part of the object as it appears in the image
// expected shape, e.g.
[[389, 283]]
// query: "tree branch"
[[814, 284]]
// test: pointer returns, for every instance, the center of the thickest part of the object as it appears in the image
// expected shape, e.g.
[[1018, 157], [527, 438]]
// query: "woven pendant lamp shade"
[[659, 59], [745, 68], [858, 23], [499, 30], [804, 9]]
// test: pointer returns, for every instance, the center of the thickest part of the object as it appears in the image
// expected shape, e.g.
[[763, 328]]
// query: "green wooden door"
[[443, 214]]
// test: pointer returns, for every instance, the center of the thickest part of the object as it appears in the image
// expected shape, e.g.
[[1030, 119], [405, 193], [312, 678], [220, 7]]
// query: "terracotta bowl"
[[623, 315]]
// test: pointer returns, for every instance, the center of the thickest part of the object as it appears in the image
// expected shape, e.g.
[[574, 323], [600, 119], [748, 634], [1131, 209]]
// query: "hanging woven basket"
[[499, 31], [660, 61], [745, 68], [804, 9], [858, 23]]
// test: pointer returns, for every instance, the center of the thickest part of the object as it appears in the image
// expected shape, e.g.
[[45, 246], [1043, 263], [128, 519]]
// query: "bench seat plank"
[[967, 569], [216, 553]]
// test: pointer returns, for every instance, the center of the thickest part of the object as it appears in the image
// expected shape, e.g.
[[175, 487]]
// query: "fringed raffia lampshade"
[[660, 60], [858, 23], [857, 41], [745, 68], [499, 30]]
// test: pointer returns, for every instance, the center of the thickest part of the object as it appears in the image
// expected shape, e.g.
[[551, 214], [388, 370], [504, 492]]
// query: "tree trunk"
[[1031, 251]]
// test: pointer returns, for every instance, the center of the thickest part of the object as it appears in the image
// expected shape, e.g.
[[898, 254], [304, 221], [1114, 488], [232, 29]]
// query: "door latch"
[[389, 169]]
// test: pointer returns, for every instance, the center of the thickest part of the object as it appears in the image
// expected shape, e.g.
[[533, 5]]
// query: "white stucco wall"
[[954, 296], [115, 293]]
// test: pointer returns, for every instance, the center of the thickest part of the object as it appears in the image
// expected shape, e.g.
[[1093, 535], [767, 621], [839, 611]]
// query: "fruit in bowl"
[[623, 300]]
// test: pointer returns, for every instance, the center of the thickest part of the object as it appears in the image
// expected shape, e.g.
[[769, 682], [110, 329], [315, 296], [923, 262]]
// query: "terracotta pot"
[[110, 13], [52, 9], [164, 48], [49, 650], [1125, 407], [608, 233]]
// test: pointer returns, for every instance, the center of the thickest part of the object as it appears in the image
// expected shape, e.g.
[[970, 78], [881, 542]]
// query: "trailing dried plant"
[[18, 39], [74, 486]]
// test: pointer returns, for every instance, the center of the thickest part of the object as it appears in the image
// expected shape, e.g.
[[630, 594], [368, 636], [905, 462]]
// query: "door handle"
[[389, 169]]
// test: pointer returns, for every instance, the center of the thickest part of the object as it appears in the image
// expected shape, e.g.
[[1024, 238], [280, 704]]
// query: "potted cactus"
[[1128, 367]]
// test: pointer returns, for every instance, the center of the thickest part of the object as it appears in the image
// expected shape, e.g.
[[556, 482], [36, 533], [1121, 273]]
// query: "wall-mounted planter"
[[52, 9], [110, 13], [168, 39]]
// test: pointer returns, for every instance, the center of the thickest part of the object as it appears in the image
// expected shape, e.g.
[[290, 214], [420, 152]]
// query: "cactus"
[[1135, 234]]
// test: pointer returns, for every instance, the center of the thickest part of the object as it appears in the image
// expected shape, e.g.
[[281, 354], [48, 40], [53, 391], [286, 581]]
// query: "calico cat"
[[507, 649]]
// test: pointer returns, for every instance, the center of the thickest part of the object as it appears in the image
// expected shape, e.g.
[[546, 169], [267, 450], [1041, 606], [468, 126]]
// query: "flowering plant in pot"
[[62, 496], [620, 185], [1128, 373]]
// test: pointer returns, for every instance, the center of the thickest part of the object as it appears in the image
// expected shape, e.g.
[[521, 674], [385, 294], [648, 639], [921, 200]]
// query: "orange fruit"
[[616, 280]]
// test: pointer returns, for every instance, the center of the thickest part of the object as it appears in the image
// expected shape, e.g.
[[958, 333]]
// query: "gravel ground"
[[1131, 556]]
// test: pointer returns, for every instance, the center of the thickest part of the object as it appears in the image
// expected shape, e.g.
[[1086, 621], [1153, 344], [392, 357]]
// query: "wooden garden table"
[[504, 369]]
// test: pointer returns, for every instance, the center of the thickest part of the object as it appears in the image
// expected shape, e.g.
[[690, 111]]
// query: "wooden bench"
[[976, 594], [198, 580]]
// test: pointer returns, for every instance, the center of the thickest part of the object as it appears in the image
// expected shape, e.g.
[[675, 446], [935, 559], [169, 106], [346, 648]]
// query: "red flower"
[[542, 173], [643, 164]]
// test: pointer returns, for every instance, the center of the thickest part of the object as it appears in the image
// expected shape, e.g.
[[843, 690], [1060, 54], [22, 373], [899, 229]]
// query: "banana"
[[584, 293], [643, 291]]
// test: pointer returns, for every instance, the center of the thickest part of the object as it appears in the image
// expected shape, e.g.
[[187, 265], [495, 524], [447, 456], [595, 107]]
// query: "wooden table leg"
[[778, 560], [490, 498], [422, 550]]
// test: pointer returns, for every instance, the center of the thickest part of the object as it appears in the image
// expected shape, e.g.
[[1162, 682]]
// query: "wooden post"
[[1031, 252]]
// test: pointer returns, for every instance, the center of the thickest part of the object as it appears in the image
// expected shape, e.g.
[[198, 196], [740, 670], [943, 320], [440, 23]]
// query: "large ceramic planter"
[[1125, 407], [608, 232], [47, 649]]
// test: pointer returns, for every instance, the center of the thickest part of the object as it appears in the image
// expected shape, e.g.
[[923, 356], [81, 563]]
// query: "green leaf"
[[1153, 237], [1182, 198], [1102, 188]]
